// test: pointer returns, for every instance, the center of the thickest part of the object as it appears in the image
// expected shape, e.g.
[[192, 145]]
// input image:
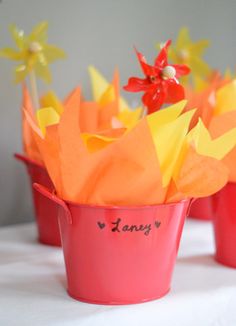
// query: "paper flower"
[[49, 114], [224, 119], [33, 52], [127, 117], [216, 107], [160, 84], [205, 99], [107, 115], [185, 51], [226, 98], [118, 172], [216, 98]]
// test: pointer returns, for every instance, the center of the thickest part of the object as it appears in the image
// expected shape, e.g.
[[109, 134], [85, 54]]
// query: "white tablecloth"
[[32, 287]]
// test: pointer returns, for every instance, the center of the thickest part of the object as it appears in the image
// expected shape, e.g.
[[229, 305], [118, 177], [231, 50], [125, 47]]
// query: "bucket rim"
[[126, 207], [229, 182], [29, 160]]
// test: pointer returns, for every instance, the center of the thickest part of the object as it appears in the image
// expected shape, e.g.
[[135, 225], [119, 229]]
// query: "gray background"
[[102, 33]]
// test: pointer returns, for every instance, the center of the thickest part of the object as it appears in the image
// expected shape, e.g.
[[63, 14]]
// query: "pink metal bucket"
[[224, 209], [119, 255]]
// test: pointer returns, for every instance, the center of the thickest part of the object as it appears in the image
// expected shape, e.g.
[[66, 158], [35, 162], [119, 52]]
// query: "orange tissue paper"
[[157, 161]]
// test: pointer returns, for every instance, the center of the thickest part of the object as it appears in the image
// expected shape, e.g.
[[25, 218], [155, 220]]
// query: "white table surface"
[[32, 287]]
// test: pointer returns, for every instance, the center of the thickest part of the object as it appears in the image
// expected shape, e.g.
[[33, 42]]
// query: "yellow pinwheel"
[[185, 51], [33, 52]]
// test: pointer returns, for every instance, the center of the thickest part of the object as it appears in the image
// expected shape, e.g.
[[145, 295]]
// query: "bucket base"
[[223, 262], [199, 218], [116, 303], [49, 243]]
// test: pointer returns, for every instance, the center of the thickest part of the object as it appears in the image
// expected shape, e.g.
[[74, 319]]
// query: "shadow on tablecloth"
[[202, 273]]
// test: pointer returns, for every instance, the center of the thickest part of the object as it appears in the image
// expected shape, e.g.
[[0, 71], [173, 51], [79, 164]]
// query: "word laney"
[[131, 228], [119, 227]]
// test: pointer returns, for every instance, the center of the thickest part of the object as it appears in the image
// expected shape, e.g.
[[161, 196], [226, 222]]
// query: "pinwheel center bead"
[[184, 54], [153, 79], [35, 47], [168, 72]]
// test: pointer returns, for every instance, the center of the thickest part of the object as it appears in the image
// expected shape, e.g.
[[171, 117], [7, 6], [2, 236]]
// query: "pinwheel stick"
[[143, 112], [34, 89]]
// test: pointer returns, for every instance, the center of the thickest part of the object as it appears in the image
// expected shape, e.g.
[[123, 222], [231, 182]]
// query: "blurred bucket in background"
[[201, 209], [224, 209], [45, 210]]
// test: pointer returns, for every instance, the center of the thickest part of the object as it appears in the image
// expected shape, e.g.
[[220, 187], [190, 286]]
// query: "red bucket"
[[224, 208], [119, 255], [201, 209], [45, 210]]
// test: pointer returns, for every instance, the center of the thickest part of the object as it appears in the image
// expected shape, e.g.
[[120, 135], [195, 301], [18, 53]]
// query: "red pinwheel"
[[160, 84]]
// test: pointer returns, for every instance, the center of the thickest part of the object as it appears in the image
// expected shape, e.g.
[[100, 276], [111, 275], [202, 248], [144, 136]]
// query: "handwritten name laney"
[[133, 228]]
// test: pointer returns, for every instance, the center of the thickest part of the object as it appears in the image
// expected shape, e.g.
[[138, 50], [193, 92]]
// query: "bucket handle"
[[52, 196], [190, 204]]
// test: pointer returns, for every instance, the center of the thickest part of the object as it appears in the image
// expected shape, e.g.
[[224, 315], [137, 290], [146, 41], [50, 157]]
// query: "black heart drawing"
[[157, 224], [101, 225]]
